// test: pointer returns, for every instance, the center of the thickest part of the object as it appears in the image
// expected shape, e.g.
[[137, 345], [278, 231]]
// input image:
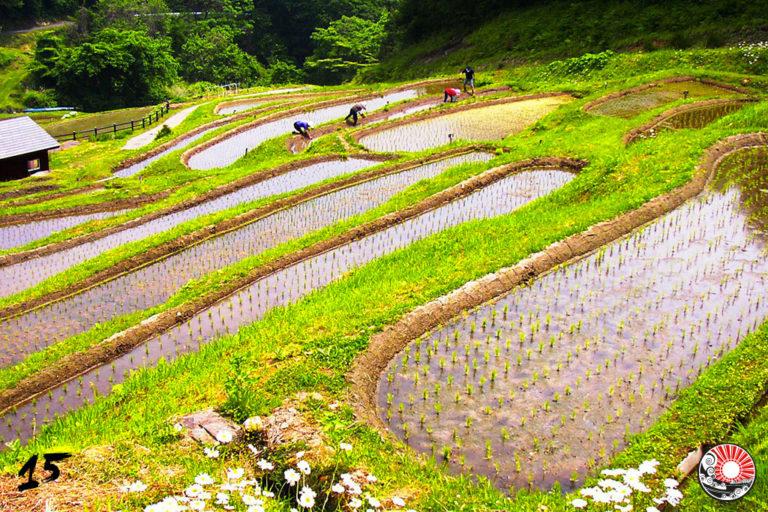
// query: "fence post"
[[142, 123], [131, 125], [74, 135], [95, 132]]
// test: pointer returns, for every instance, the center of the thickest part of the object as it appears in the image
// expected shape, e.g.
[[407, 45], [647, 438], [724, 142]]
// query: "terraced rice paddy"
[[181, 143], [240, 107], [695, 117], [15, 278], [229, 150], [154, 284], [22, 234], [281, 288], [475, 124], [638, 102], [547, 382]]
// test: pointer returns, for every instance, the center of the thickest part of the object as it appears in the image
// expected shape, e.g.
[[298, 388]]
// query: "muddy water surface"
[[155, 283], [477, 124], [281, 288], [15, 278], [546, 382], [642, 101]]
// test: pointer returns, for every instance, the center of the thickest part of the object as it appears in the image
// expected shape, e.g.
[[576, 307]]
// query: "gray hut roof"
[[21, 135]]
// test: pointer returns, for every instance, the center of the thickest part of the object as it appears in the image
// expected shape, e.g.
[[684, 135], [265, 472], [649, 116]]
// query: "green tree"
[[213, 56], [116, 68], [344, 47]]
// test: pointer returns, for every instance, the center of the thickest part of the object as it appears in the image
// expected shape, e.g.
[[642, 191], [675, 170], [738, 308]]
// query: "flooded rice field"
[[693, 118], [244, 106], [546, 382], [476, 124], [231, 149], [22, 234], [279, 289], [18, 277], [143, 164], [155, 283], [638, 102]]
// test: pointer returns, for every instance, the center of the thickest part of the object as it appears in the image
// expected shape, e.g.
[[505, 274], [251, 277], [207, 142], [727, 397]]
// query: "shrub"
[[39, 99], [583, 65]]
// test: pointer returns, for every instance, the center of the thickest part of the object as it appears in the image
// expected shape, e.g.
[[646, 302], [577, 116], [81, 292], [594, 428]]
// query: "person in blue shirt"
[[302, 128]]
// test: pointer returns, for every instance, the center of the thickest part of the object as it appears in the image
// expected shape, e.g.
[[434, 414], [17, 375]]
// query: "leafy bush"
[[39, 99], [164, 132], [581, 65], [282, 72]]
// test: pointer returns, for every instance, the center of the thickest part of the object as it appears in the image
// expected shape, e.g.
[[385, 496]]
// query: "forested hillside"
[[135, 52]]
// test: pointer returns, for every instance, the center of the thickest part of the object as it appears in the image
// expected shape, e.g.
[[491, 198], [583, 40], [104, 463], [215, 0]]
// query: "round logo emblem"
[[727, 472]]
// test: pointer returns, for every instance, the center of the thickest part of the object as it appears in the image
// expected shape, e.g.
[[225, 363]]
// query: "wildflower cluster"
[[238, 491], [755, 55], [618, 493]]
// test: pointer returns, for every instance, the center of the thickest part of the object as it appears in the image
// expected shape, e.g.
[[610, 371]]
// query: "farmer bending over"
[[451, 93], [302, 128], [469, 79], [354, 112]]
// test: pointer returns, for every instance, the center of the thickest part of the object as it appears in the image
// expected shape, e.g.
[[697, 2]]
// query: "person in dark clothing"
[[452, 94], [302, 128], [469, 79], [354, 112]]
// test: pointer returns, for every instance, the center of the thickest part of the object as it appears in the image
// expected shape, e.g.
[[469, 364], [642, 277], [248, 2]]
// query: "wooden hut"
[[24, 148]]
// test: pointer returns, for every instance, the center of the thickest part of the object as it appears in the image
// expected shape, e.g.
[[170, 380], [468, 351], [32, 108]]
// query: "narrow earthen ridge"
[[644, 130], [626, 92], [286, 113], [251, 179], [270, 98], [12, 194], [110, 206], [358, 135], [368, 366], [74, 365], [56, 195]]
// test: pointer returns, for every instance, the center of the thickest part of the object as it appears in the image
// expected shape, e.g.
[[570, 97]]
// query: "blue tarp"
[[48, 109]]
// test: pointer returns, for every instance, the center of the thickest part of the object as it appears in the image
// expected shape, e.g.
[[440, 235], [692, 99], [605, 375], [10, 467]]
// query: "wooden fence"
[[145, 121]]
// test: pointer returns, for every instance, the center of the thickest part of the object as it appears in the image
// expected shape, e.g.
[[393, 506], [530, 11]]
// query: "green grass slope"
[[557, 29]]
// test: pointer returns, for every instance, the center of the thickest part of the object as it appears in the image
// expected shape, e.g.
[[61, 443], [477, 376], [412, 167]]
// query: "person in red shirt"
[[452, 94]]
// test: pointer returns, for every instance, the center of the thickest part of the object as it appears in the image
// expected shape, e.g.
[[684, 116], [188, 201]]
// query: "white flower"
[[338, 488], [222, 498], [194, 490], [671, 483], [224, 437], [197, 505], [235, 474], [256, 508], [255, 451], [299, 455], [203, 479], [651, 509], [268, 494], [308, 490], [579, 503], [303, 466], [345, 446], [177, 427], [373, 502], [137, 486], [674, 497], [250, 500], [625, 508], [355, 503], [371, 478], [169, 504], [306, 500], [354, 489], [292, 476], [648, 467], [613, 472], [253, 424], [398, 501], [265, 465], [211, 453]]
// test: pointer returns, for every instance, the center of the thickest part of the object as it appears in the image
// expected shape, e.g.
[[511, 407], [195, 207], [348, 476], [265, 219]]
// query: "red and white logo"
[[727, 472]]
